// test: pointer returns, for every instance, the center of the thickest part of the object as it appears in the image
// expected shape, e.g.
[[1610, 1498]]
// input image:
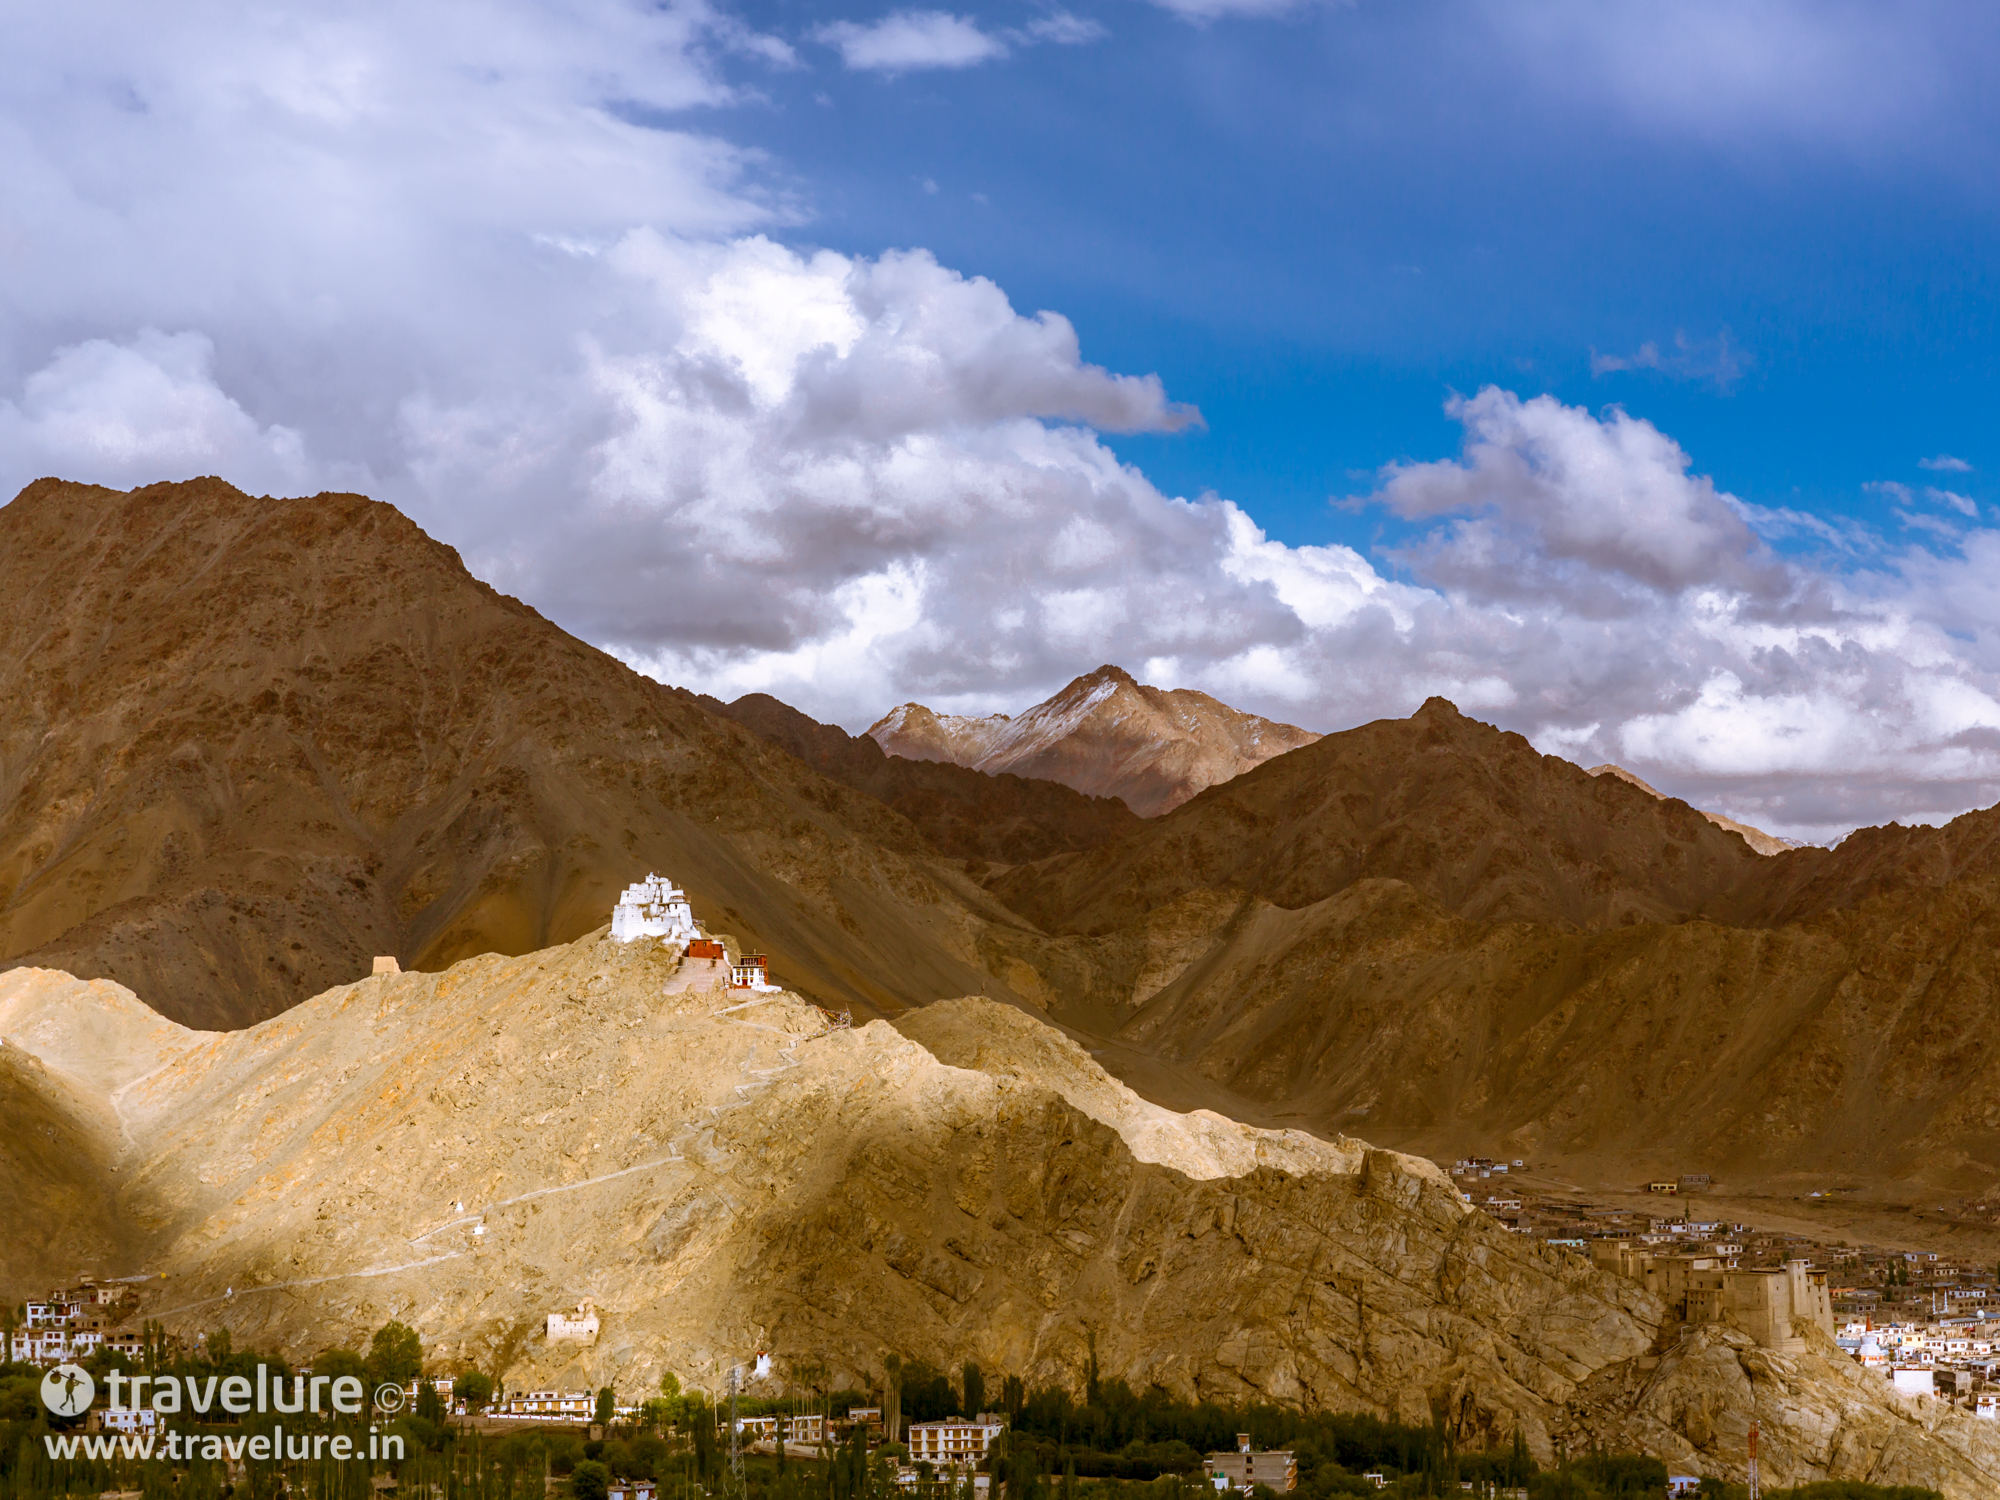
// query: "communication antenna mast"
[[737, 1437]]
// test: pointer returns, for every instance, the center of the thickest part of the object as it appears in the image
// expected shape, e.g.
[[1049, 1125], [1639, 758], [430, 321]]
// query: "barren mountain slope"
[[1852, 1048], [962, 813], [245, 744], [1426, 930], [1474, 817], [1756, 838], [1104, 734], [472, 1150]]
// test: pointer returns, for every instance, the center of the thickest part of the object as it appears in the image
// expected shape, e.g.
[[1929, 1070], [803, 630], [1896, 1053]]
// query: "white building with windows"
[[956, 1443]]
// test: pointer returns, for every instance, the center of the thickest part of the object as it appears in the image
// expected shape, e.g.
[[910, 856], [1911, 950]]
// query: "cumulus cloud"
[[1548, 493], [454, 258]]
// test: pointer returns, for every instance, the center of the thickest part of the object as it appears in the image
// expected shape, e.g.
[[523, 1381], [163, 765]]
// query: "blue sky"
[[1314, 225], [1580, 363]]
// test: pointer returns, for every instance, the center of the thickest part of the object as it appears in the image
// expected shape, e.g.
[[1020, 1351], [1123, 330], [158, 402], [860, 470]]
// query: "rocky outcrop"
[[474, 1149], [1819, 1416]]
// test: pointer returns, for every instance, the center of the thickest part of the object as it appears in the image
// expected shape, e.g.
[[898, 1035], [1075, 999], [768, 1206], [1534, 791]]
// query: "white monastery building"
[[655, 907]]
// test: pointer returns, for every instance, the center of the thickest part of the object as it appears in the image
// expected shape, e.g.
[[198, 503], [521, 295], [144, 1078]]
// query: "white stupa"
[[654, 907]]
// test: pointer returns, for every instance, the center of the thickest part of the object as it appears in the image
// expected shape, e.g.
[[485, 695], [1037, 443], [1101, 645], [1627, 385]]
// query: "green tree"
[[430, 1405], [973, 1386], [474, 1388], [607, 1407], [395, 1354], [589, 1480], [1013, 1396], [339, 1362]]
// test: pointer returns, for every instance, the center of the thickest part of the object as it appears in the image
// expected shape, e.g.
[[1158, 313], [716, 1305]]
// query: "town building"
[[954, 1443], [1276, 1469], [547, 1406], [1913, 1380]]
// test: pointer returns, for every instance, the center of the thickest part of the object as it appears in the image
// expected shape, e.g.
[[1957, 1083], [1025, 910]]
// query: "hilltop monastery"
[[656, 908]]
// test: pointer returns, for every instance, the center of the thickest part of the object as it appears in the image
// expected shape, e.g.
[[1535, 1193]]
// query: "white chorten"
[[654, 907]]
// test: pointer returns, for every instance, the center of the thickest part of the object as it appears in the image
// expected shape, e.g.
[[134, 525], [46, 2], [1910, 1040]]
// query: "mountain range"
[[250, 743], [1109, 1064]]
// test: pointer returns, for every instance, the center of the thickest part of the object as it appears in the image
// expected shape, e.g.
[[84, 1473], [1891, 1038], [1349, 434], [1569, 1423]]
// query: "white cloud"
[[1547, 489], [907, 40], [911, 40], [1064, 29], [148, 409], [1944, 463], [420, 253], [1730, 70]]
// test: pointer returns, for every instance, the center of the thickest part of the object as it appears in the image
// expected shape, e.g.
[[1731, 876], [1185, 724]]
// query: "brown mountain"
[[962, 813], [1477, 819], [245, 744], [249, 743], [1104, 734], [1424, 929]]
